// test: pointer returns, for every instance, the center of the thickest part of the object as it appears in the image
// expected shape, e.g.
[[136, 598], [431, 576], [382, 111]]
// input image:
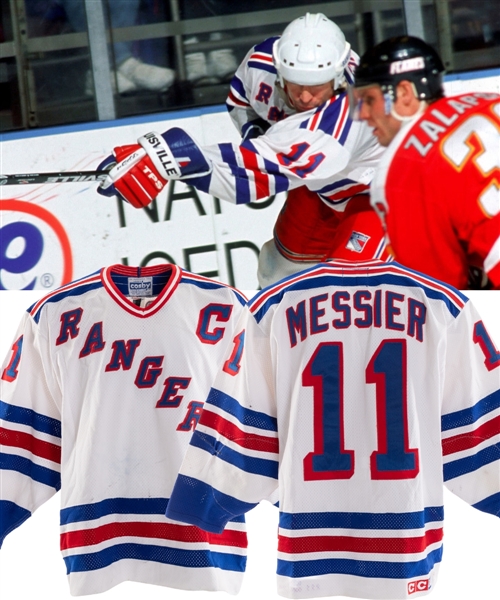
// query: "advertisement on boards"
[[57, 232], [54, 233]]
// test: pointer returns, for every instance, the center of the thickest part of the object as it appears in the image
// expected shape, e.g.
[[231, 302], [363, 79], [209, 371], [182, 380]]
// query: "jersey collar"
[[159, 302]]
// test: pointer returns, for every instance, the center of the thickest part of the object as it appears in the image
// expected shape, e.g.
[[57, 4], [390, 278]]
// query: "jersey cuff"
[[197, 503], [12, 515]]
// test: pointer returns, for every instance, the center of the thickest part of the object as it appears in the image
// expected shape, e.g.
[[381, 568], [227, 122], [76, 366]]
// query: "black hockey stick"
[[64, 177]]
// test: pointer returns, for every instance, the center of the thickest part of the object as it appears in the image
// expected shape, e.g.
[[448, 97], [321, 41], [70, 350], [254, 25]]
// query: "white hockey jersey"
[[99, 397], [254, 96], [359, 388], [321, 148]]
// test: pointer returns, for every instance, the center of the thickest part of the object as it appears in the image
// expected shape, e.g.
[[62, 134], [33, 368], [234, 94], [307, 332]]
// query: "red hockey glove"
[[134, 176], [142, 170]]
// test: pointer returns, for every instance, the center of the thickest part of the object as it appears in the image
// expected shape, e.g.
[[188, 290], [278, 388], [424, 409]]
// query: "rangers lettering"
[[123, 355], [149, 371], [69, 325], [275, 114], [192, 416], [264, 93], [169, 398], [94, 341]]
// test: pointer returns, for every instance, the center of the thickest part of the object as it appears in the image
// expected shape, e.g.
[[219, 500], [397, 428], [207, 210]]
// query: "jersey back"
[[360, 388]]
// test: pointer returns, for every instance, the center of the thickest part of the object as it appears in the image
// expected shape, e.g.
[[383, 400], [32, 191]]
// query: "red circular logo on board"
[[35, 251]]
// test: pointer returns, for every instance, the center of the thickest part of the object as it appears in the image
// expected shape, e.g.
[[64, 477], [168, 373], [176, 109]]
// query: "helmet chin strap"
[[389, 106], [421, 107]]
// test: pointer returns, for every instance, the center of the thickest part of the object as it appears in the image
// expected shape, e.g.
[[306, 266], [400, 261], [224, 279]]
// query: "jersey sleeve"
[[285, 157], [232, 461], [238, 102], [30, 430], [470, 422], [322, 149]]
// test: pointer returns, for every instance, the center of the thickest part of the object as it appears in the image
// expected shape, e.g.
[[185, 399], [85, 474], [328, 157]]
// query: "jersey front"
[[100, 398], [438, 189], [358, 390]]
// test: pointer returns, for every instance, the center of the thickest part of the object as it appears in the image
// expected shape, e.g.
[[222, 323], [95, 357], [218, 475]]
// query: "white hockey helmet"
[[311, 51]]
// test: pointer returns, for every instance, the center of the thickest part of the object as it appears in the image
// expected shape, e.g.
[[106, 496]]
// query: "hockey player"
[[276, 80], [436, 189], [317, 147]]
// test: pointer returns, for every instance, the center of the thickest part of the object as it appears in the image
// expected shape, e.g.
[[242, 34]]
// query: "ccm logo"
[[418, 586]]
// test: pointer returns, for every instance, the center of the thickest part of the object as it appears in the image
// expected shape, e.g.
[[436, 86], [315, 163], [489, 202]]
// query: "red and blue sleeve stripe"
[[250, 443], [262, 56], [237, 94], [23, 441], [27, 416], [332, 118], [250, 181], [249, 464], [488, 430], [246, 416], [468, 416], [340, 191], [28, 454]]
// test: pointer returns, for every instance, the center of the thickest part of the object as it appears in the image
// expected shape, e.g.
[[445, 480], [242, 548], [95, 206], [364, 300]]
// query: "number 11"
[[387, 369]]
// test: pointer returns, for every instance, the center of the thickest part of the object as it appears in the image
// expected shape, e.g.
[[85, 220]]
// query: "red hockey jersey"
[[438, 189]]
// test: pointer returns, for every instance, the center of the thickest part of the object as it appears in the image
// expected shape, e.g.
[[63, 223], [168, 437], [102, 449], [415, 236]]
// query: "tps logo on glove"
[[149, 173]]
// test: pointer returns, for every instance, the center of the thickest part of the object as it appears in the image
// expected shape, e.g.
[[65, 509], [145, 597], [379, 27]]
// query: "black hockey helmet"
[[402, 58]]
